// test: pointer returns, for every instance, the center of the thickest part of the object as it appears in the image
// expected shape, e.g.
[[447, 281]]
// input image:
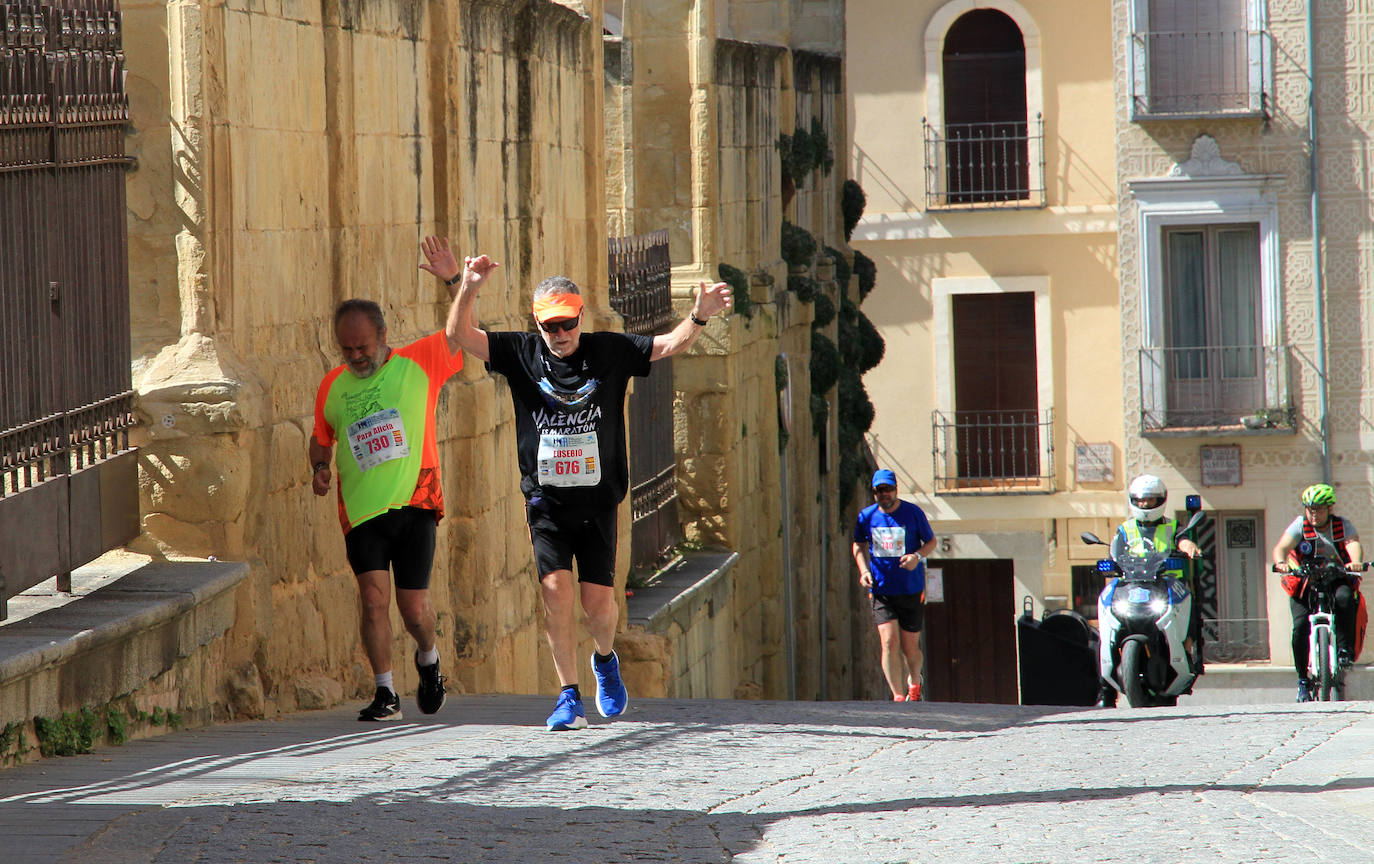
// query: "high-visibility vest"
[[1163, 538]]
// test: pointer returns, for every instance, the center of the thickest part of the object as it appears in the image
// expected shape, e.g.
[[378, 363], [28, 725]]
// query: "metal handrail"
[[1204, 73], [1216, 386], [996, 164], [993, 452]]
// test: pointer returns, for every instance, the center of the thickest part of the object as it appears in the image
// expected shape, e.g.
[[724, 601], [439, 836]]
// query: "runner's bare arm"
[[860, 553], [320, 457], [710, 300], [459, 328]]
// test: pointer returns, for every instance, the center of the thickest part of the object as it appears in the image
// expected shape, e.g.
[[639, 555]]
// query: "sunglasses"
[[566, 325], [877, 489]]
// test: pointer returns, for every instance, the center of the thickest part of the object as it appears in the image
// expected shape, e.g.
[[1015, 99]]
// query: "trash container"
[[1058, 658]]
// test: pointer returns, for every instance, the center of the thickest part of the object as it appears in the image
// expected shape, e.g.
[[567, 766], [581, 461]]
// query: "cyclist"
[[1334, 538]]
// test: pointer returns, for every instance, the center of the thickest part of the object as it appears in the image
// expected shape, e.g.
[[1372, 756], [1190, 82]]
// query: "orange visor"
[[557, 306]]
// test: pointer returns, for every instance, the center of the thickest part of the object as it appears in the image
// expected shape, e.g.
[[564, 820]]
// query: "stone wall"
[[293, 154], [700, 151], [310, 147]]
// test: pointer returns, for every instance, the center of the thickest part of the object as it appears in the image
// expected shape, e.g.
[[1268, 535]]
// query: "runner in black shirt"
[[568, 388]]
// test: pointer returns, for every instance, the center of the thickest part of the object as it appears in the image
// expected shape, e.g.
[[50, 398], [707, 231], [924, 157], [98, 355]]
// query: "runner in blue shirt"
[[891, 540]]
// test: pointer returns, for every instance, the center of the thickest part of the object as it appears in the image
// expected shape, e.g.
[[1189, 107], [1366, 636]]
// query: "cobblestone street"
[[745, 782]]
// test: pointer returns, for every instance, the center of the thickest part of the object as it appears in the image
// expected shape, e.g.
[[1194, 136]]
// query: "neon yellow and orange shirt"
[[388, 456]]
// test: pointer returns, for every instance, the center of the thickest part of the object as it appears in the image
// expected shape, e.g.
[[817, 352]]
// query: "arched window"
[[984, 76], [983, 128]]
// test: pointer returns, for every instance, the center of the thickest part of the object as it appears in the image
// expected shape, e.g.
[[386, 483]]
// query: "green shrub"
[[825, 311], [871, 346], [856, 409], [852, 202], [867, 272], [821, 153], [842, 272], [820, 414], [798, 246], [825, 363], [117, 725], [66, 735], [804, 287]]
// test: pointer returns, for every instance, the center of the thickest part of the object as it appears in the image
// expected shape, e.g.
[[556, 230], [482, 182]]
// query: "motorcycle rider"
[[1334, 538], [1146, 496]]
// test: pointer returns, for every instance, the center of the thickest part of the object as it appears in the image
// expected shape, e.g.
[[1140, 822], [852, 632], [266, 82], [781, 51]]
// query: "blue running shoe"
[[568, 713], [611, 696], [1304, 693]]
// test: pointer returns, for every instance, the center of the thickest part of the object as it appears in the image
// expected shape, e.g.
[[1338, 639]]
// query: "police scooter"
[[1143, 615]]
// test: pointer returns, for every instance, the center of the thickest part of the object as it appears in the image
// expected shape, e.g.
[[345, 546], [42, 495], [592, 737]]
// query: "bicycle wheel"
[[1324, 664]]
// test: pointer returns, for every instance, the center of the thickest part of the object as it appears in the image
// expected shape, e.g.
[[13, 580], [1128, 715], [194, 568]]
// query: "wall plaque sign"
[[1094, 463], [1221, 465]]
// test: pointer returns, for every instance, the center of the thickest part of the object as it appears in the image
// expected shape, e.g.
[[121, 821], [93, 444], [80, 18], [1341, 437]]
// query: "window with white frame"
[[1199, 58], [983, 128], [1210, 351]]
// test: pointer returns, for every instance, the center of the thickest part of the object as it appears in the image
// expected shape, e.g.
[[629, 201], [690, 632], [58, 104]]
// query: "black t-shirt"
[[570, 414]]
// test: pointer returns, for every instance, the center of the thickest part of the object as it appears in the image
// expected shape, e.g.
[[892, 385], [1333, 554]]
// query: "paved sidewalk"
[[745, 782]]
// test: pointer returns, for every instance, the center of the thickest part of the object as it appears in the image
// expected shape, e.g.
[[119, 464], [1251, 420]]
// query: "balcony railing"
[[993, 452], [985, 165], [1217, 389], [1220, 73]]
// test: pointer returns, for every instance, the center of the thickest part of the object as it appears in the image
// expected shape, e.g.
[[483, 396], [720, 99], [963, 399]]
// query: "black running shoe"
[[430, 697], [386, 705]]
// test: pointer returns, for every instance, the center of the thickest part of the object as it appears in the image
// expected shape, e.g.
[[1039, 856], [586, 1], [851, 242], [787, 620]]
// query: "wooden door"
[[995, 386], [970, 636]]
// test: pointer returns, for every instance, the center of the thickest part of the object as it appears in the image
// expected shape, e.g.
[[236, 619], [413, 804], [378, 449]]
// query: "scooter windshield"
[[1142, 561]]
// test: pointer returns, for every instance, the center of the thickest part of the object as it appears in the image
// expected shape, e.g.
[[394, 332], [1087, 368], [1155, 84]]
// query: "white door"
[[1241, 627]]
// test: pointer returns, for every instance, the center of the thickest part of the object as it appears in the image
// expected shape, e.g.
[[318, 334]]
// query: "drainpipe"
[[1318, 280], [825, 565], [788, 602]]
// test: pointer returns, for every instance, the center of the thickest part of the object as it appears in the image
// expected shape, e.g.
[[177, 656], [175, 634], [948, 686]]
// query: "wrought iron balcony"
[[1219, 73], [993, 452], [985, 165], [1216, 390]]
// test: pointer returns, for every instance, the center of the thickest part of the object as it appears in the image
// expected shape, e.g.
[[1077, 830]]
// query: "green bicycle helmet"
[[1320, 495]]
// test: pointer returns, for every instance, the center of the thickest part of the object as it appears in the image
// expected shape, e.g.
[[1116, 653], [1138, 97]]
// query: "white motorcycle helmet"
[[1146, 497]]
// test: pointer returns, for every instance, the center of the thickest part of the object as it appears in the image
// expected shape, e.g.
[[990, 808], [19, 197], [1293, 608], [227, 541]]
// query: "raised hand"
[[712, 299], [476, 269], [439, 259]]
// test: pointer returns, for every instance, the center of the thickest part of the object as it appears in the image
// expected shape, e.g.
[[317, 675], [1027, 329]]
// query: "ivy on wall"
[[798, 247], [739, 290], [804, 152]]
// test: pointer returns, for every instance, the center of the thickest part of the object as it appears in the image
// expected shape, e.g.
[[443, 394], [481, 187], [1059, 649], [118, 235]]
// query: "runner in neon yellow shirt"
[[378, 407]]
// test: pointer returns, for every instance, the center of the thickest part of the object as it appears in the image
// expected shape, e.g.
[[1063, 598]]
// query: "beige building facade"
[[1244, 344], [982, 140]]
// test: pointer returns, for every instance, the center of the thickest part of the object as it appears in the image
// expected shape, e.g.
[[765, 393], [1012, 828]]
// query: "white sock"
[[384, 680], [427, 658]]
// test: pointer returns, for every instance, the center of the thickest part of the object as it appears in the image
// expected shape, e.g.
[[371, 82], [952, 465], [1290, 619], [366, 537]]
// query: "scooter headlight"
[[1139, 601]]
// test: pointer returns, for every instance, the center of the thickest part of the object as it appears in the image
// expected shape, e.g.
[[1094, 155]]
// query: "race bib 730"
[[378, 438]]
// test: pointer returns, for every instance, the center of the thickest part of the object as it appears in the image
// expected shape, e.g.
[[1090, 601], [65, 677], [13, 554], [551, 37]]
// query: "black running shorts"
[[399, 540], [558, 539], [908, 610]]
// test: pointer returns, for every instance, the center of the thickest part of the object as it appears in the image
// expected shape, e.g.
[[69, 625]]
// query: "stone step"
[[111, 643], [1239, 684]]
